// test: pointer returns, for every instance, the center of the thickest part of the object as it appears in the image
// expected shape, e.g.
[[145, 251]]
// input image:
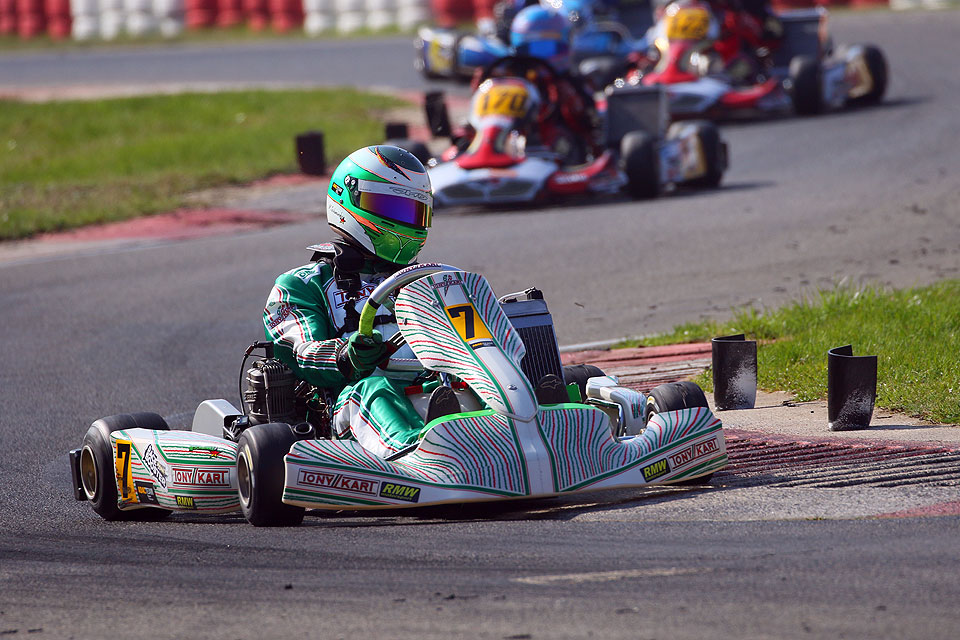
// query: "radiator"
[[528, 313]]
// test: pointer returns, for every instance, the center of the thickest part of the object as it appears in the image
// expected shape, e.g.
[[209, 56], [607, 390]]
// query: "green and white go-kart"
[[132, 466]]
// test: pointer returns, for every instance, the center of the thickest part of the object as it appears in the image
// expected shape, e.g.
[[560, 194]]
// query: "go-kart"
[[526, 440], [602, 39], [519, 147], [803, 72]]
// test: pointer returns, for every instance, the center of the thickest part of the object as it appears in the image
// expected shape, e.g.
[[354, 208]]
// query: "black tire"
[[877, 67], [260, 476], [806, 91], [638, 159], [671, 397], [714, 153], [417, 148], [97, 469], [580, 373]]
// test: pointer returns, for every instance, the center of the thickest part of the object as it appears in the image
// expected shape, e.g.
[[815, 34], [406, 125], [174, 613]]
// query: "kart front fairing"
[[454, 185]]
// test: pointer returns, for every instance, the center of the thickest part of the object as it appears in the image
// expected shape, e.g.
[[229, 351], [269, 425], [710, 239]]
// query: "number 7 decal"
[[124, 478], [467, 323]]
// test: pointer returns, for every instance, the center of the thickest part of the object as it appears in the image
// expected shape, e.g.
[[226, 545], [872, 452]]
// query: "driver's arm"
[[297, 321]]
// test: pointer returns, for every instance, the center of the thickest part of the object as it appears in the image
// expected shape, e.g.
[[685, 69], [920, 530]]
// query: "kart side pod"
[[131, 466]]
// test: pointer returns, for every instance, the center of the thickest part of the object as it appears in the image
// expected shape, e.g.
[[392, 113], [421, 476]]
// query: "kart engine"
[[270, 393]]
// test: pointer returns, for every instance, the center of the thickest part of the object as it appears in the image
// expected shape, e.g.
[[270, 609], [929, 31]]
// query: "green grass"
[[218, 35], [915, 333], [71, 163]]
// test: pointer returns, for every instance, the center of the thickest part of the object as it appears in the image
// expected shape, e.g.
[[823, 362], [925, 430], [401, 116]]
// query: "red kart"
[[526, 142], [726, 66]]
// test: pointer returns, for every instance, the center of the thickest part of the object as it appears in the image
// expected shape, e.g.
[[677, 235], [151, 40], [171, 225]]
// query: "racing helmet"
[[380, 201], [542, 33], [578, 12]]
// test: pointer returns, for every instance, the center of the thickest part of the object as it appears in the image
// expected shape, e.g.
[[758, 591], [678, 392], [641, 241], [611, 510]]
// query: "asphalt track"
[[862, 196]]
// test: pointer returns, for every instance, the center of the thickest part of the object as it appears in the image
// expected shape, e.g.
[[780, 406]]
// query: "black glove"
[[361, 355]]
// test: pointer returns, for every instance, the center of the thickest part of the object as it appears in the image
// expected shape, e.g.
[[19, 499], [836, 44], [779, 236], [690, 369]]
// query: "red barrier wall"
[[258, 17], [58, 18], [8, 17], [448, 13], [31, 18]]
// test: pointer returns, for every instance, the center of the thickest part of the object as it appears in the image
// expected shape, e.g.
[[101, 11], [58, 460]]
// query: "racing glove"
[[360, 355]]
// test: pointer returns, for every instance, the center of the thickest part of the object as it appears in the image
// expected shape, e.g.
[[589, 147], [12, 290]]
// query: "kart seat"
[[551, 390]]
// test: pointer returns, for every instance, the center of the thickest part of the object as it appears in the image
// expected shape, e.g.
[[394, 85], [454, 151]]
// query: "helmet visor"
[[397, 208], [542, 48]]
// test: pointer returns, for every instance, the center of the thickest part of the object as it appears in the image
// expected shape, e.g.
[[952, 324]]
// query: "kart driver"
[[380, 203], [749, 26], [539, 32]]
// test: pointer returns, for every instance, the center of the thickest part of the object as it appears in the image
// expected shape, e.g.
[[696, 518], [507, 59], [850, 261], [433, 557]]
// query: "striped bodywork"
[[420, 310], [584, 454], [477, 455], [186, 471], [485, 456]]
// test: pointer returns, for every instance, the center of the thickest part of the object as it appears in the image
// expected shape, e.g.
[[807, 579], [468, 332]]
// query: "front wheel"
[[638, 159], [876, 65], [674, 396], [260, 475], [98, 470]]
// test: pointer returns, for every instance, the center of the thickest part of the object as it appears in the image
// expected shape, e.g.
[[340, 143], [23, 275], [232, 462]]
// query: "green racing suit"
[[306, 318]]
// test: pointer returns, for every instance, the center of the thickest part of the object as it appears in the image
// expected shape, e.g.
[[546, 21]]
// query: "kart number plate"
[[439, 58], [502, 101], [691, 23], [124, 477], [468, 323]]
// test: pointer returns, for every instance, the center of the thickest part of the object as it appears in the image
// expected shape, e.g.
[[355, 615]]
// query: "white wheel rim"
[[245, 479]]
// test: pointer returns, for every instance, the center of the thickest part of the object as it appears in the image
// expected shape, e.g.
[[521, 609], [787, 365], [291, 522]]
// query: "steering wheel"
[[546, 78], [381, 296]]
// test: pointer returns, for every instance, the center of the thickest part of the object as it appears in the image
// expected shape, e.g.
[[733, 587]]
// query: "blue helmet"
[[578, 12], [542, 33]]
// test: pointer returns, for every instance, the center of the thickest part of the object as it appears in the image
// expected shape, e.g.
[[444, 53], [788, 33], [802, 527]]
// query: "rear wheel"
[[673, 396], [260, 475], [807, 89], [638, 159], [579, 374], [877, 67], [98, 471]]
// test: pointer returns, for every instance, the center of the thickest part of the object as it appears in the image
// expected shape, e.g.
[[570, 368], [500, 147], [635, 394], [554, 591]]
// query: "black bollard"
[[734, 372], [396, 131], [851, 389], [438, 118], [310, 154]]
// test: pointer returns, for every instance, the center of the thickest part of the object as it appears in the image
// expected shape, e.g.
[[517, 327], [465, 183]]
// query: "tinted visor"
[[541, 48], [397, 208]]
